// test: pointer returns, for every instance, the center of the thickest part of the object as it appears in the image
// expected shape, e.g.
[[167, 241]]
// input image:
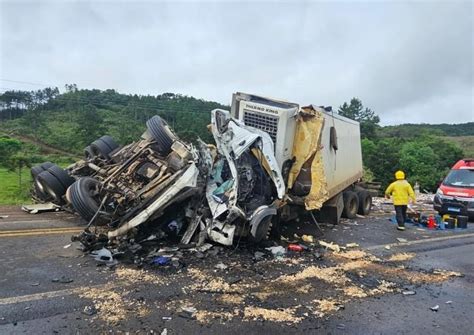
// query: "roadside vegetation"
[[16, 159], [46, 125], [421, 150]]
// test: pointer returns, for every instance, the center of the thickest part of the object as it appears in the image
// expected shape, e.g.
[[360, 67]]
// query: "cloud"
[[408, 61]]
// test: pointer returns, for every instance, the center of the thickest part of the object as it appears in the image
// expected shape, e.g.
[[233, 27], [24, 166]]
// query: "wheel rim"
[[40, 186]]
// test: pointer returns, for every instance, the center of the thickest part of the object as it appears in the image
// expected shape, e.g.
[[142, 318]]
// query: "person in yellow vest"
[[402, 193]]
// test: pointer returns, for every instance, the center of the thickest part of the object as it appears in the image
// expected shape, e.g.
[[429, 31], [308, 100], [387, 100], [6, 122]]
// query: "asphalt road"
[[126, 299]]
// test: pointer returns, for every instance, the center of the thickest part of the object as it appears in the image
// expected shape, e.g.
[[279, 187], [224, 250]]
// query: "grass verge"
[[11, 191]]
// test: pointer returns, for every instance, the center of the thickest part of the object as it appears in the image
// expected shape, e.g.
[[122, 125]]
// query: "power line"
[[25, 82]]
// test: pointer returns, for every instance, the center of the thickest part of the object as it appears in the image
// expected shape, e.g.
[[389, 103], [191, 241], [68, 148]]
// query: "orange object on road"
[[295, 247], [431, 222]]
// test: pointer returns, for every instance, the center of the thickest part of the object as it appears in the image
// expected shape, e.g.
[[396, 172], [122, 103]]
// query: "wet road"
[[33, 254]]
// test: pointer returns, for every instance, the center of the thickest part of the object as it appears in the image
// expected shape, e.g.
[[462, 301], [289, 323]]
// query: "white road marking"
[[427, 240]]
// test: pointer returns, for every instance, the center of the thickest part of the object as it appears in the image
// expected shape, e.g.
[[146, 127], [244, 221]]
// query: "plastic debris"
[[258, 255], [408, 292], [221, 266], [387, 247], [402, 240], [352, 245], [295, 247], [89, 310], [103, 255], [334, 247], [190, 309], [187, 312], [161, 260], [308, 238], [204, 247], [435, 308], [448, 302], [167, 318], [164, 332], [278, 251], [67, 246]]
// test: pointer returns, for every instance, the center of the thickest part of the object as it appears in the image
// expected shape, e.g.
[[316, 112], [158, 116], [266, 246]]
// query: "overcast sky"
[[408, 61]]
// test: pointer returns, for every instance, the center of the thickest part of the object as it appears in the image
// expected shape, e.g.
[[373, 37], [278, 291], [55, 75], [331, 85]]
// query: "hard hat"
[[399, 175]]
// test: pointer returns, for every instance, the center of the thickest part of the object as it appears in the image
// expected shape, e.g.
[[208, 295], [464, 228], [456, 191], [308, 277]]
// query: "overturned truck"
[[272, 162]]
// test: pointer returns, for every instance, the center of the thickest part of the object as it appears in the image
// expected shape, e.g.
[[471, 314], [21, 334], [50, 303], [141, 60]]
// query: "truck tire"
[[50, 185], [84, 197], [263, 230], [351, 204], [37, 169], [61, 175], [102, 147], [365, 202], [162, 134]]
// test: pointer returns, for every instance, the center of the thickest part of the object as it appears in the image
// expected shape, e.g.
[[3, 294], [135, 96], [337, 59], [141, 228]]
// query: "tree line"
[[419, 150]]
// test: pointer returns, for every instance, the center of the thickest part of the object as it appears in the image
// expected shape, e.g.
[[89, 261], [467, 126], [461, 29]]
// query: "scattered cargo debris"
[[38, 208], [435, 308]]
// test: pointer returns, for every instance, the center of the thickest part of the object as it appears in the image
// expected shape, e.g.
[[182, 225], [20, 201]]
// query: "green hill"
[[466, 143], [412, 130]]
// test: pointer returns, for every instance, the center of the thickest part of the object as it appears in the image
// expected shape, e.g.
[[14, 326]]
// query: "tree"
[[382, 158], [8, 148], [369, 121], [12, 158], [20, 160], [420, 164]]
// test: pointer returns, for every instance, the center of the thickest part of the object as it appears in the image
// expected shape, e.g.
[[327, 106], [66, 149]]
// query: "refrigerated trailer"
[[318, 152]]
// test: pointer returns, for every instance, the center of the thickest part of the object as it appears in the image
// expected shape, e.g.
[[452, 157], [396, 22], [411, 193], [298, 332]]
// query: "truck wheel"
[[351, 204], [263, 230], [161, 133], [365, 202], [39, 192], [84, 196], [61, 175], [103, 146], [50, 185], [36, 170]]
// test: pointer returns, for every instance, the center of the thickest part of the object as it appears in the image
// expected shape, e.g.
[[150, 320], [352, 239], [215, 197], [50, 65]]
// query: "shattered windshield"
[[460, 178]]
